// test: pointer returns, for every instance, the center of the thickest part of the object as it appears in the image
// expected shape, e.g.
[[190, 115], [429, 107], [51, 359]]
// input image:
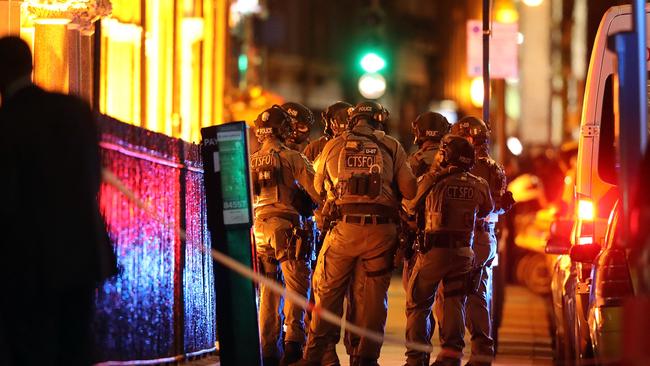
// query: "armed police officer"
[[335, 119], [367, 173], [278, 173], [428, 129], [478, 308], [302, 119], [453, 199]]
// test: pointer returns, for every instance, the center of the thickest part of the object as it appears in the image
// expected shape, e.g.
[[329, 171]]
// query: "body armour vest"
[[268, 185], [453, 203], [360, 166]]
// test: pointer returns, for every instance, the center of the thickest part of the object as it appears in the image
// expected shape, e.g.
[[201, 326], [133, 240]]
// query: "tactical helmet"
[[335, 118], [301, 121], [274, 121], [472, 127], [429, 126], [373, 111], [457, 151]]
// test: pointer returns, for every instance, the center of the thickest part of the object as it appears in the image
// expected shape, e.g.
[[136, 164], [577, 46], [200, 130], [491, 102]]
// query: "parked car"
[[611, 285]]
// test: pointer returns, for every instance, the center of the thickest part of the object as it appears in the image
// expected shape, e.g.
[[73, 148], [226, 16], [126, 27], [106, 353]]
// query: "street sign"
[[503, 50], [224, 149]]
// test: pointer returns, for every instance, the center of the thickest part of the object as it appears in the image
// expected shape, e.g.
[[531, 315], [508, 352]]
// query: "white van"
[[596, 178]]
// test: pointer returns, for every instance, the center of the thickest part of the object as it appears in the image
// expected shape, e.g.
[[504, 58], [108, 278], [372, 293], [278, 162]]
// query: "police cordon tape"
[[276, 287], [292, 296]]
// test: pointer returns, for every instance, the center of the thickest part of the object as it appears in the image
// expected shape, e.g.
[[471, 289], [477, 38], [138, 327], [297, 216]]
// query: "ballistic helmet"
[[335, 118], [457, 151], [374, 112], [472, 127], [429, 126], [301, 121], [274, 121]]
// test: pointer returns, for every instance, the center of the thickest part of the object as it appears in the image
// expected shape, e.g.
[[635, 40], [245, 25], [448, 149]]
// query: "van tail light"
[[586, 213], [612, 278], [586, 210], [585, 240]]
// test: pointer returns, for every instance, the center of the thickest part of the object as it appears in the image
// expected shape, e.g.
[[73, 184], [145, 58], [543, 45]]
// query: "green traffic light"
[[242, 62], [372, 62]]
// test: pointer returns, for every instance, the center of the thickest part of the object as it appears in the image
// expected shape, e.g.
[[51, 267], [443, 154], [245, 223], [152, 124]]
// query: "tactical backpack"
[[360, 165]]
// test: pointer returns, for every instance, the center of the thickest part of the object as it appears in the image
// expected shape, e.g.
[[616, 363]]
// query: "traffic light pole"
[[486, 61]]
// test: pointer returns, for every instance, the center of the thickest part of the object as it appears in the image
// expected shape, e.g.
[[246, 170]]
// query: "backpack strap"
[[379, 143]]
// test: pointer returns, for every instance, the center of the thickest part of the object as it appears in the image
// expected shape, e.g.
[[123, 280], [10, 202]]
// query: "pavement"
[[523, 337]]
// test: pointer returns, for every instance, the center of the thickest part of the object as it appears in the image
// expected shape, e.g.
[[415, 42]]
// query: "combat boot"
[[303, 362], [367, 362], [354, 360], [330, 358], [292, 353], [446, 362], [270, 361]]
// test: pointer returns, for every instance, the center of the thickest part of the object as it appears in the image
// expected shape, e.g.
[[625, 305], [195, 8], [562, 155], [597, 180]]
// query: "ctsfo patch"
[[356, 161], [261, 161], [459, 192]]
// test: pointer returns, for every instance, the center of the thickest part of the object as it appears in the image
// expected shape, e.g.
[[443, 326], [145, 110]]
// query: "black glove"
[[507, 201]]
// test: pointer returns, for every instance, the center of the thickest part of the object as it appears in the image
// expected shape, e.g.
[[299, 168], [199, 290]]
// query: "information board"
[[227, 187], [232, 158]]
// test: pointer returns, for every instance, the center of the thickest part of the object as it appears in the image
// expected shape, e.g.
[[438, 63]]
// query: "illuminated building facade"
[[160, 64]]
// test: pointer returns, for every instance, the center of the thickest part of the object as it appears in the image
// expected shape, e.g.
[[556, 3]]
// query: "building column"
[[10, 17], [63, 47]]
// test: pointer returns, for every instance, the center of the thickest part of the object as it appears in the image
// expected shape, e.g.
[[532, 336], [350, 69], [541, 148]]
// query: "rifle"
[[407, 237]]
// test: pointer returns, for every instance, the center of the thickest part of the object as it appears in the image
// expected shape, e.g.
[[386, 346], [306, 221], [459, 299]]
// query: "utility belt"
[[444, 240], [369, 209], [367, 219]]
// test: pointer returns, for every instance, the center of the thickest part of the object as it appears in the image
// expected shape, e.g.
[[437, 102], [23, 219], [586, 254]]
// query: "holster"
[[268, 266], [474, 280], [300, 244], [330, 214]]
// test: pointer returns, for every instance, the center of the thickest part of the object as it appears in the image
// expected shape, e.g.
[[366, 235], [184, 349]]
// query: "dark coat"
[[52, 233]]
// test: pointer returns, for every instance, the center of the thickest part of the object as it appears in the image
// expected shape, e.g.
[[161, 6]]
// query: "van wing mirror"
[[559, 241], [584, 253]]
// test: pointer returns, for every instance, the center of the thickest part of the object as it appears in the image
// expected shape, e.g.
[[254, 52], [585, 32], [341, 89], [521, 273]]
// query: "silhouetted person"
[[54, 249]]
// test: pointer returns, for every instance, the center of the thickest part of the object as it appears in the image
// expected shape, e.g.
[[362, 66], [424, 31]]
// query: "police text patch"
[[459, 192]]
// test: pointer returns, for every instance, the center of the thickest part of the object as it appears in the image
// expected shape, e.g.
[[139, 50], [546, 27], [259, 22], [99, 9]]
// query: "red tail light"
[[586, 210], [586, 214], [612, 278]]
